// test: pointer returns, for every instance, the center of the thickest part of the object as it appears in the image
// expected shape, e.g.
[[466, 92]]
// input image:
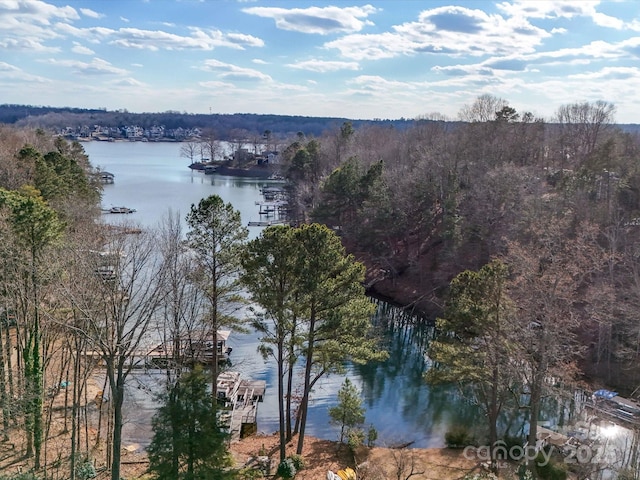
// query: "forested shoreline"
[[420, 206], [519, 234]]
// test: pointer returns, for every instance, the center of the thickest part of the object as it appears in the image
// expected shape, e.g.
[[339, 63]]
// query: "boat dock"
[[609, 404], [274, 193], [107, 177], [194, 349], [239, 398], [273, 206], [119, 210], [268, 223], [274, 209]]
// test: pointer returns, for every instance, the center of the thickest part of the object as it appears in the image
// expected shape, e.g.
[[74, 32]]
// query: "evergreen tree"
[[188, 443], [475, 346], [349, 413], [216, 235], [270, 277], [36, 227], [338, 313]]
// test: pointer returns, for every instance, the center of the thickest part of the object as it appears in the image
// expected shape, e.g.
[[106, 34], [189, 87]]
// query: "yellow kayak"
[[347, 474]]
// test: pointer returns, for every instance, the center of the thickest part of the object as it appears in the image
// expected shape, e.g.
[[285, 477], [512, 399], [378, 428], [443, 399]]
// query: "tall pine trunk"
[[291, 362], [307, 382], [534, 413], [281, 400], [214, 359], [289, 414], [9, 352]]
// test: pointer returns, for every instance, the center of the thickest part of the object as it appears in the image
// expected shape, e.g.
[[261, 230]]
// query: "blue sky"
[[352, 59]]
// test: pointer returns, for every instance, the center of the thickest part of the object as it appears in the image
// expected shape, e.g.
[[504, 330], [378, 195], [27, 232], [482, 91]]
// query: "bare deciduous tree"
[[117, 310], [405, 464]]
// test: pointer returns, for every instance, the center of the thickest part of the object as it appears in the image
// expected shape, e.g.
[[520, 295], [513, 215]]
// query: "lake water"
[[154, 179]]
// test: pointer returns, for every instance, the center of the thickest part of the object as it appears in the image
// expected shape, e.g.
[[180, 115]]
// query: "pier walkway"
[[240, 398]]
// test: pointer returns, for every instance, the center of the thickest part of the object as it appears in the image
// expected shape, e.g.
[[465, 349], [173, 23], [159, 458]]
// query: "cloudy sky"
[[343, 58]]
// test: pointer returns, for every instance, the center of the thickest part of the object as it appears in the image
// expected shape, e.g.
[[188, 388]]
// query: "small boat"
[[121, 210], [209, 169]]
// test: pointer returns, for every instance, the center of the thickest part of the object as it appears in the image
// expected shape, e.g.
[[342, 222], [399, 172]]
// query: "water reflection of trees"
[[397, 385], [405, 342]]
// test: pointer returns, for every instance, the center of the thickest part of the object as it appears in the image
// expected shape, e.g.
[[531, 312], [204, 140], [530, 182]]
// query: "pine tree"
[[188, 443], [216, 235], [349, 413]]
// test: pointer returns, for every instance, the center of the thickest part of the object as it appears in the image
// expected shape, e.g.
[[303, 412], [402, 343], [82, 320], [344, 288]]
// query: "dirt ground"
[[320, 456], [374, 464]]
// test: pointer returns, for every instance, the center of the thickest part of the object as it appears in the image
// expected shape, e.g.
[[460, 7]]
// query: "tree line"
[[283, 126]]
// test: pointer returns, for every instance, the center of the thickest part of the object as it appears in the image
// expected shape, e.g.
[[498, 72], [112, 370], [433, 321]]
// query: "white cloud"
[[96, 67], [128, 82], [87, 12], [453, 31], [373, 83], [609, 73], [26, 25], [372, 47], [35, 12], [154, 40], [317, 20], [26, 45], [81, 49], [214, 85], [549, 9], [229, 71], [157, 40], [12, 73], [5, 67], [324, 66]]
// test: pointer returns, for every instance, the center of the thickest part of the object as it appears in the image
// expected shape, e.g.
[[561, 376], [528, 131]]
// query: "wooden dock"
[[107, 177], [272, 206], [274, 209], [240, 398], [268, 223], [193, 350], [274, 193]]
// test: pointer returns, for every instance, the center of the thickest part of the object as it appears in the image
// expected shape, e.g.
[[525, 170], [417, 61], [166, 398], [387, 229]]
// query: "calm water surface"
[[154, 179]]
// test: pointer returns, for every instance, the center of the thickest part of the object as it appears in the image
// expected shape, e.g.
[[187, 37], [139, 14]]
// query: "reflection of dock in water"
[[239, 398]]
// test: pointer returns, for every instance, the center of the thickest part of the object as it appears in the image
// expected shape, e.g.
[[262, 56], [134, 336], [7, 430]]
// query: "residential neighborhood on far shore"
[[133, 133]]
